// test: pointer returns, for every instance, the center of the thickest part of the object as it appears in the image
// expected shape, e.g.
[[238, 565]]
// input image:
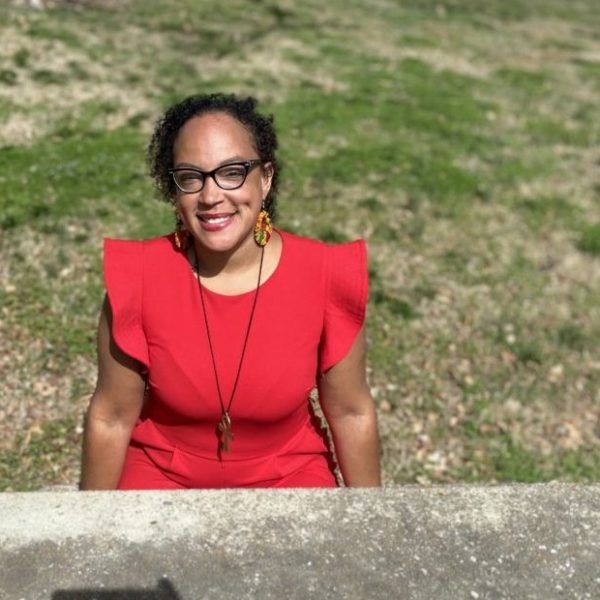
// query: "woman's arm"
[[113, 411], [348, 406]]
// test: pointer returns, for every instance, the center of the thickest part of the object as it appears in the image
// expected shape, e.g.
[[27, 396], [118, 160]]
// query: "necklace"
[[223, 430]]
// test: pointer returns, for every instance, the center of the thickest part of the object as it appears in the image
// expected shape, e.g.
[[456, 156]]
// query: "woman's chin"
[[220, 241]]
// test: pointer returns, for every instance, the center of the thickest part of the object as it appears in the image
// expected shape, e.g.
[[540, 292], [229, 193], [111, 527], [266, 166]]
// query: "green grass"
[[67, 333], [21, 57], [515, 10], [552, 211], [507, 460], [48, 77], [572, 336], [591, 72], [328, 233], [529, 84], [53, 31], [589, 239], [78, 175], [553, 131], [396, 306], [44, 457]]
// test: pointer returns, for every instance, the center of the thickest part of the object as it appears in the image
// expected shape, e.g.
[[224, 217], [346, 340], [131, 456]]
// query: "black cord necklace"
[[224, 432]]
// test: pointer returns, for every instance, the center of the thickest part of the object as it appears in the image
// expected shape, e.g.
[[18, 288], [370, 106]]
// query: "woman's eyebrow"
[[227, 161], [234, 159]]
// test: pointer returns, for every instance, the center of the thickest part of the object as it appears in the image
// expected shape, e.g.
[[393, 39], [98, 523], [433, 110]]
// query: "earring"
[[263, 229], [181, 235]]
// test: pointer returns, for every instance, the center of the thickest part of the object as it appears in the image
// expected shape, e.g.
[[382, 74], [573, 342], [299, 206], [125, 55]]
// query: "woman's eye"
[[189, 176], [231, 173]]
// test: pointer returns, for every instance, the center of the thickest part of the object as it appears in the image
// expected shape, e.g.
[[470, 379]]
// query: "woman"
[[210, 339]]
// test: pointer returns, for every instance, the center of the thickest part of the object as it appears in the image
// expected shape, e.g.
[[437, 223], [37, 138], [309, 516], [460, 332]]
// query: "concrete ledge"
[[474, 542]]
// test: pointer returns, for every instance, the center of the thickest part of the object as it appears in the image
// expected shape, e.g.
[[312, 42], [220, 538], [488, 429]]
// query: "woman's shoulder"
[[328, 256], [163, 244], [317, 246], [298, 240]]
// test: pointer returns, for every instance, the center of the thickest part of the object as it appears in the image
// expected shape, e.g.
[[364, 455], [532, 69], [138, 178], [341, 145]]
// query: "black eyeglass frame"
[[247, 164]]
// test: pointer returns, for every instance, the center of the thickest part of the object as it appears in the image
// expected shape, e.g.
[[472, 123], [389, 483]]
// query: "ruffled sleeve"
[[123, 278], [346, 290]]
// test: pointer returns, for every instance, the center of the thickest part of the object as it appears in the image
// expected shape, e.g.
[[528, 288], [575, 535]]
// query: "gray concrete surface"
[[450, 542]]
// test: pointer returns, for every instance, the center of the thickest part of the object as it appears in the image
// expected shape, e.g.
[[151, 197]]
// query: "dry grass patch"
[[68, 80]]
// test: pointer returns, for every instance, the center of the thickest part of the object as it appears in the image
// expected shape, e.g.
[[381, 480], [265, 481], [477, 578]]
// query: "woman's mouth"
[[215, 222]]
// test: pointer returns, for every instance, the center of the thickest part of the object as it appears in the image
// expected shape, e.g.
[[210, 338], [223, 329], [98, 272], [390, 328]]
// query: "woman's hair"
[[260, 127]]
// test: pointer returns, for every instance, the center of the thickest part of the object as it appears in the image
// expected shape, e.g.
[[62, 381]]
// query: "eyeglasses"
[[190, 180]]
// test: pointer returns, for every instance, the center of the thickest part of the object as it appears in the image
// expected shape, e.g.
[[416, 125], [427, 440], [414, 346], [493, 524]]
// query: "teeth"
[[215, 220]]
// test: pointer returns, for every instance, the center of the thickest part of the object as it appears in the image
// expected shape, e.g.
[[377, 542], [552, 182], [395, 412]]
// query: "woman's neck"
[[237, 260]]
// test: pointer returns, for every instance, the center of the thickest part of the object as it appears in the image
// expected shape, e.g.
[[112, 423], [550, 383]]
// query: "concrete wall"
[[473, 542]]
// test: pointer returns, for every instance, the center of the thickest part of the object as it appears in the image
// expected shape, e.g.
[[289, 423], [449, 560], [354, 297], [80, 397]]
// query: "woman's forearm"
[[356, 444], [104, 448]]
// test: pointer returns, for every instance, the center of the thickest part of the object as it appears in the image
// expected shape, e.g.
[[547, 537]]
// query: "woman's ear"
[[267, 178]]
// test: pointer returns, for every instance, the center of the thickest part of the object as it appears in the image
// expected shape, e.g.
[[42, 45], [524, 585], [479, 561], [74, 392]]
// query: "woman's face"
[[220, 220]]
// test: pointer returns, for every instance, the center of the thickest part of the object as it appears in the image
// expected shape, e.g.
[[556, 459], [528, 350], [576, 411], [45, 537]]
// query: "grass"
[[81, 169], [589, 239], [503, 460], [572, 336], [44, 455], [440, 132]]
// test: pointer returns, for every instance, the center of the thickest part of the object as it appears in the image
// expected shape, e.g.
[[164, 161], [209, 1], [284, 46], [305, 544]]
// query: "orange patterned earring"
[[181, 235], [263, 229]]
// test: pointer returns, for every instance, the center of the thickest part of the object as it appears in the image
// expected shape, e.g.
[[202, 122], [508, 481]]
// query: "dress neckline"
[[265, 282]]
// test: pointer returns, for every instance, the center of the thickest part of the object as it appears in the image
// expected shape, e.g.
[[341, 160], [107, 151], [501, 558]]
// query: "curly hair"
[[260, 127]]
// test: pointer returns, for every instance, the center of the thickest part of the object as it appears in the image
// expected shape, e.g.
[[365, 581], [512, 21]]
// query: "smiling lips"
[[216, 221]]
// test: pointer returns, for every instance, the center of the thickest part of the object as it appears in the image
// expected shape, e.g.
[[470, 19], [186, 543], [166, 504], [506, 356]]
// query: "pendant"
[[225, 430]]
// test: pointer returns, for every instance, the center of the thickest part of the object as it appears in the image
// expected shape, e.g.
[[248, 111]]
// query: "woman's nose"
[[211, 193]]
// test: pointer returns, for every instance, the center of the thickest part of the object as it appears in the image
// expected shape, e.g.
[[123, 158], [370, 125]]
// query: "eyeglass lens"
[[227, 177]]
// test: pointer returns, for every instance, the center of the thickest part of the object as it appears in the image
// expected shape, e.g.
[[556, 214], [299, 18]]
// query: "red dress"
[[307, 316]]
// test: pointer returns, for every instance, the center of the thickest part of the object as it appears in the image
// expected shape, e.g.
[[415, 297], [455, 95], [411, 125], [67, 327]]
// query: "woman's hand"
[[350, 411], [113, 411]]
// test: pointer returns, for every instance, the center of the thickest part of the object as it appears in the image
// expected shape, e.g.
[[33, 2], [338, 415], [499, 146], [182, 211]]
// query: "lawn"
[[459, 138]]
